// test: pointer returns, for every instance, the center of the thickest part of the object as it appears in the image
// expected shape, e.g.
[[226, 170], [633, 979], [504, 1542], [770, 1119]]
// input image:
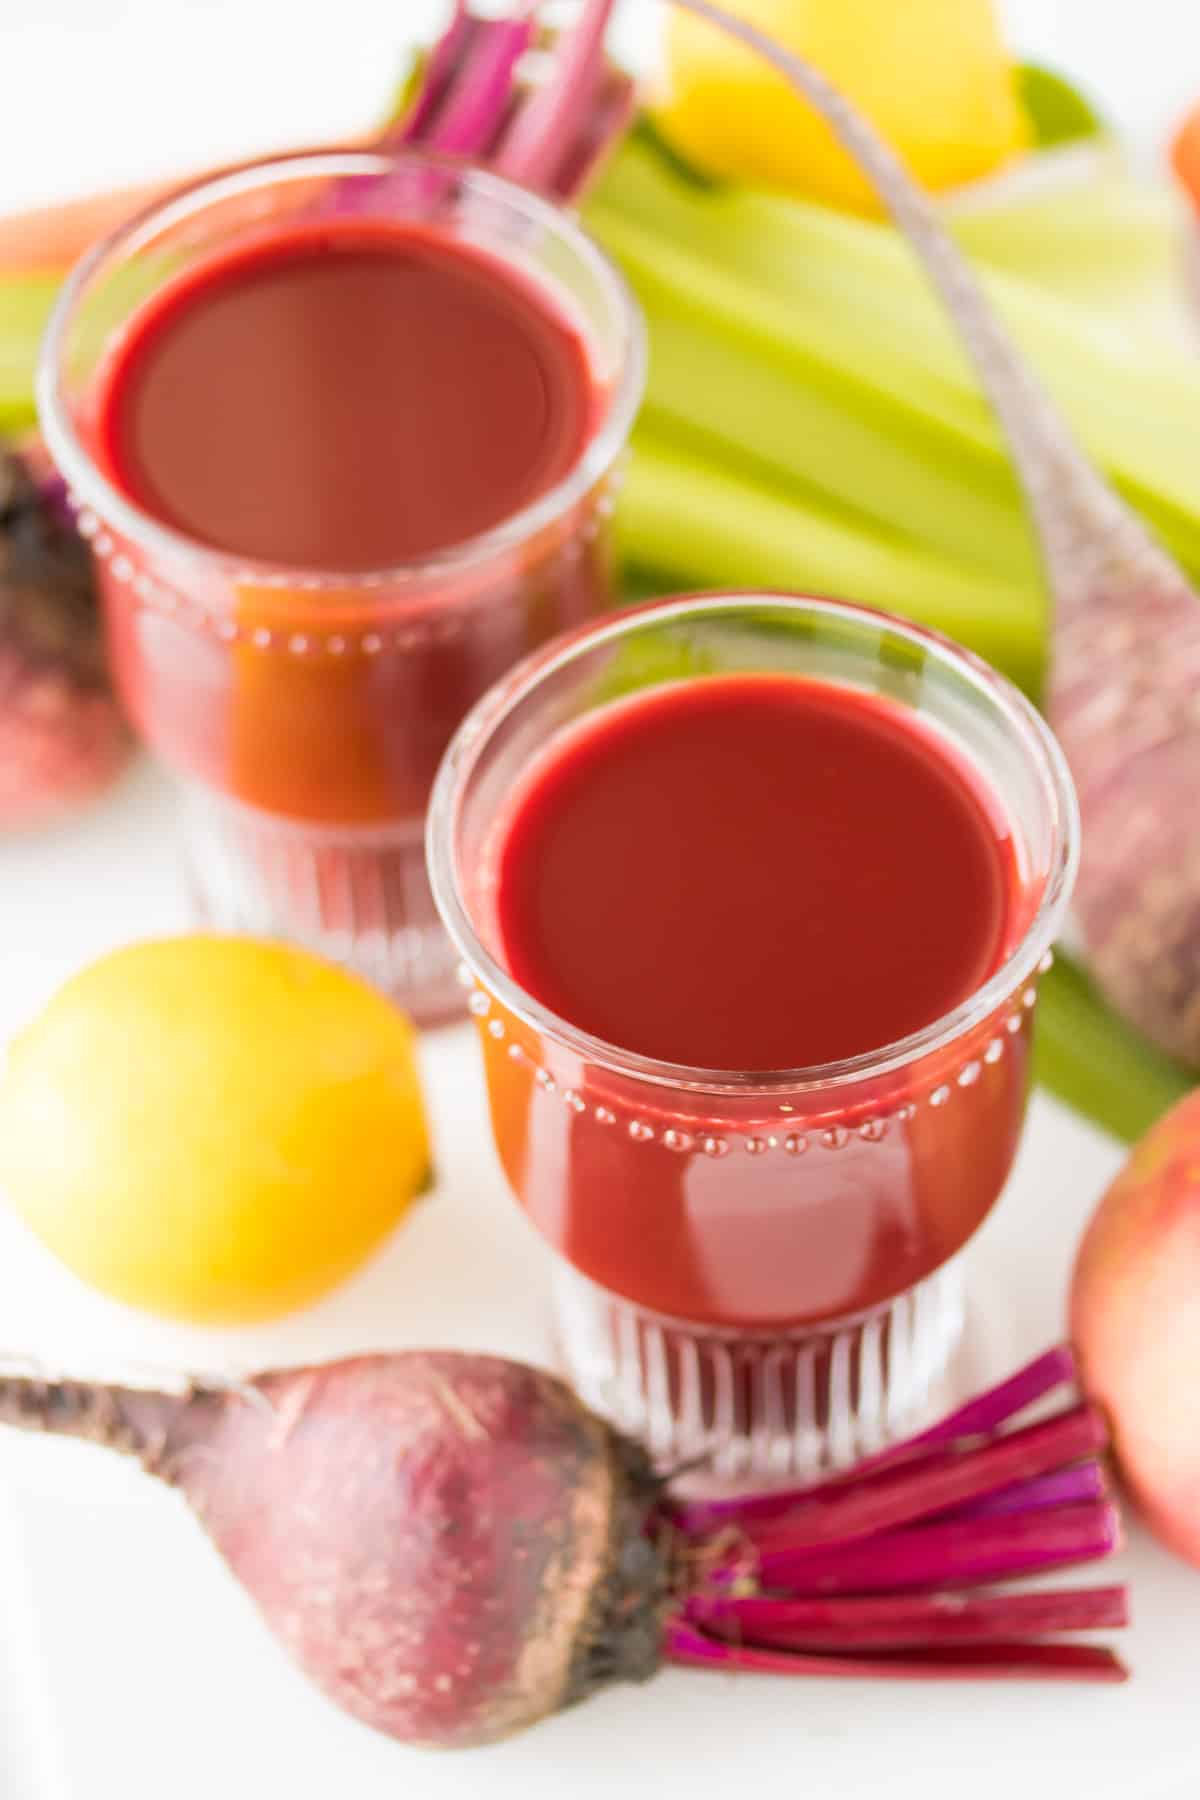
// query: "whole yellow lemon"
[[213, 1128], [932, 75]]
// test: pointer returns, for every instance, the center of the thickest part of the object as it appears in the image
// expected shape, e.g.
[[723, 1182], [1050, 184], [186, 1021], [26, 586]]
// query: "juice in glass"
[[341, 428], [753, 894]]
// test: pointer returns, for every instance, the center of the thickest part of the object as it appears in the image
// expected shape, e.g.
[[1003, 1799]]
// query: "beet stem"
[[910, 1621], [546, 124], [979, 1416], [437, 75], [910, 1494], [477, 89], [1063, 1487], [1015, 1661], [948, 1553]]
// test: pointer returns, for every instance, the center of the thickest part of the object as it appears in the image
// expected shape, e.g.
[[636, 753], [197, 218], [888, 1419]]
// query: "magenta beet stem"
[[476, 92], [966, 1662], [1053, 1369], [542, 132], [949, 1553], [910, 1621], [984, 1414], [859, 1511], [1064, 1487], [447, 55]]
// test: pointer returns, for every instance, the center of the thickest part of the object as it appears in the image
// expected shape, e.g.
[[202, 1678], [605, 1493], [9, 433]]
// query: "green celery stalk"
[[25, 302], [1107, 240], [728, 363], [857, 301], [1090, 1059], [706, 525]]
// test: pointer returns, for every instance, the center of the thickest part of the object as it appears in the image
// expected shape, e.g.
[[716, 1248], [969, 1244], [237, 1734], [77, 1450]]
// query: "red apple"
[[1135, 1321]]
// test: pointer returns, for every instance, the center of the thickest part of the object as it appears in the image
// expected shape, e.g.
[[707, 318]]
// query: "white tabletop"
[[130, 1666]]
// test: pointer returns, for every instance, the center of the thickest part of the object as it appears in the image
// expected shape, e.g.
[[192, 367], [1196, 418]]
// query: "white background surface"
[[130, 1667]]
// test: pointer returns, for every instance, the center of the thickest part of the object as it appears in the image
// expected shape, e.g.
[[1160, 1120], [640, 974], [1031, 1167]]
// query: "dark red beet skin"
[[63, 739], [450, 1546], [524, 1494]]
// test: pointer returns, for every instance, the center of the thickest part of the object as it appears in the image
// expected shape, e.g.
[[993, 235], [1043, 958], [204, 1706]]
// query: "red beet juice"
[[334, 398], [753, 873], [753, 891]]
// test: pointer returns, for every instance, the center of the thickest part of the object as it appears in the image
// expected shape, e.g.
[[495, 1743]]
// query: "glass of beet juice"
[[342, 428], [752, 894]]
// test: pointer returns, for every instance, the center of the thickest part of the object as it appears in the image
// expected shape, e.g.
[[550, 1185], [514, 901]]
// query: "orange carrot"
[[1185, 154], [48, 239]]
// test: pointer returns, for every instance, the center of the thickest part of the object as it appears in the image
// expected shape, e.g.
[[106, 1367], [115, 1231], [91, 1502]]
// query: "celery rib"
[[1088, 1058], [848, 291], [709, 526], [25, 303]]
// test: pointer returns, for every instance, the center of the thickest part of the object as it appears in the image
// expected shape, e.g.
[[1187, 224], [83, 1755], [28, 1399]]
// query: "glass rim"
[[89, 487], [1019, 965]]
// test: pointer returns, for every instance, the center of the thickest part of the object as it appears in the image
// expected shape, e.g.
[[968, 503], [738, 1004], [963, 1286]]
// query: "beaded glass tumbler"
[[803, 1187], [304, 710]]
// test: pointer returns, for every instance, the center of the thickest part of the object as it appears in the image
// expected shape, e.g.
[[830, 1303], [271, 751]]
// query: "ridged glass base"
[[356, 894], [762, 1408]]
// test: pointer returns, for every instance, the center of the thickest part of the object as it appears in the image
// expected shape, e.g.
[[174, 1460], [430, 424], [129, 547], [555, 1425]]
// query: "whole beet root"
[[63, 739], [452, 1546]]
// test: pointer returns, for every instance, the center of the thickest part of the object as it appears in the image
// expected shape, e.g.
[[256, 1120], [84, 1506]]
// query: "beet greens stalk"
[[950, 1554], [911, 1621], [973, 1421], [452, 1546], [550, 131]]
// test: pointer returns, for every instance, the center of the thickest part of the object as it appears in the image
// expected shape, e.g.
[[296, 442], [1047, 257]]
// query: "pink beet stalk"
[[967, 1662], [988, 1411], [477, 99], [912, 1621], [975, 1419], [464, 118], [1065, 1487], [449, 51], [856, 1511], [964, 1553], [536, 145]]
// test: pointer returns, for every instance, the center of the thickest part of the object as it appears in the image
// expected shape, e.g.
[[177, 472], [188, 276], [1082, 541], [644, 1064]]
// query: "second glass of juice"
[[342, 428], [752, 894]]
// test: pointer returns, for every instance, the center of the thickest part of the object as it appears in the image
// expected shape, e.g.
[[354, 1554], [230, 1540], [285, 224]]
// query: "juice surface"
[[752, 872], [344, 396]]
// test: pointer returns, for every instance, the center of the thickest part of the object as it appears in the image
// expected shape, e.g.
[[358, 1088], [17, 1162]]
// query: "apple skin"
[[1135, 1324]]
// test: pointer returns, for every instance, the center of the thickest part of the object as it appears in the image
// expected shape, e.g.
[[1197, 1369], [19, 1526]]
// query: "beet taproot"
[[452, 1546], [63, 738]]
